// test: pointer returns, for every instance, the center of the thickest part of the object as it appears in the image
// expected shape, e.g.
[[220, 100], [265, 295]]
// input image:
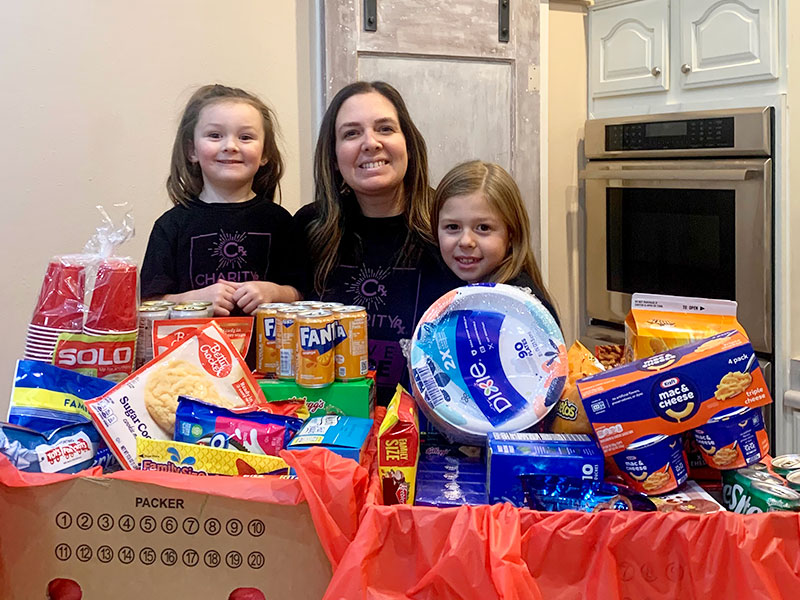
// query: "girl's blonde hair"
[[185, 180], [335, 202], [503, 196]]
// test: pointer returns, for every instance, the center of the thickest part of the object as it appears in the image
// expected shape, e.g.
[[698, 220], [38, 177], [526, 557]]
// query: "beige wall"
[[91, 94], [793, 161], [567, 95]]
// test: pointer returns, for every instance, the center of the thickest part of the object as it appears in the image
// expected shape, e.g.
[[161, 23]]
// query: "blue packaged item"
[[258, 432], [68, 449], [510, 455], [45, 398], [341, 435], [436, 448], [557, 492], [444, 494]]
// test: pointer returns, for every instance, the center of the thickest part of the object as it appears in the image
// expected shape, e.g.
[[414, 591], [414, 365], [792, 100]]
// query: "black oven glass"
[[671, 241]]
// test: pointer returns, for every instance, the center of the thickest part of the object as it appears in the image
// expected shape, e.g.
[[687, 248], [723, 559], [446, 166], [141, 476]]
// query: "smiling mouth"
[[230, 162], [467, 261], [377, 164]]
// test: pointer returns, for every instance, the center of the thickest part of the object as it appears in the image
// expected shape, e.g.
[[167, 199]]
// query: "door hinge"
[[370, 15], [503, 20]]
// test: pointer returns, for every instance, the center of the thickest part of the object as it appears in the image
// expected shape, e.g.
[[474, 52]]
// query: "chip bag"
[[570, 417], [659, 323], [398, 449]]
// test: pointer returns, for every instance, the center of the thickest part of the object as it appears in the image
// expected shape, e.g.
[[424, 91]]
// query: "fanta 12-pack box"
[[673, 391]]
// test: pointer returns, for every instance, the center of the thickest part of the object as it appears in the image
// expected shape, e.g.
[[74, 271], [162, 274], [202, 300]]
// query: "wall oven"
[[680, 204]]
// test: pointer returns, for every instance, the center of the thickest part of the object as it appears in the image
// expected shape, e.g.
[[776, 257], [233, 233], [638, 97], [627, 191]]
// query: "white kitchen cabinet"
[[640, 46], [628, 50], [727, 41]]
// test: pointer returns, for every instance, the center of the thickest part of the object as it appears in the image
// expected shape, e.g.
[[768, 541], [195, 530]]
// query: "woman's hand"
[[220, 294], [252, 293]]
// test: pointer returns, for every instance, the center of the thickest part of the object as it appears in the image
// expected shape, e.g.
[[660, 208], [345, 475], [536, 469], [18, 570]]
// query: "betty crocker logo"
[[214, 357]]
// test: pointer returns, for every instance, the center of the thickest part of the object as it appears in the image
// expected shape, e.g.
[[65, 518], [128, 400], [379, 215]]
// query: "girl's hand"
[[252, 293], [220, 295]]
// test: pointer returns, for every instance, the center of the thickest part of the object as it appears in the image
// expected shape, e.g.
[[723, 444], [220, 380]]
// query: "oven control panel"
[[671, 135]]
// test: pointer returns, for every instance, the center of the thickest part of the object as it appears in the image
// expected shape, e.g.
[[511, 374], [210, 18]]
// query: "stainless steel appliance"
[[680, 204]]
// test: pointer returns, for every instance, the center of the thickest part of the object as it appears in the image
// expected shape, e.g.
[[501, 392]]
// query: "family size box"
[[510, 455], [674, 391], [345, 436], [193, 459], [130, 540], [350, 398]]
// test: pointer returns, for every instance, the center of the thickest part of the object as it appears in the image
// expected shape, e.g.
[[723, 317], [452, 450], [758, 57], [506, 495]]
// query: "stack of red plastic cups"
[[59, 309], [113, 305]]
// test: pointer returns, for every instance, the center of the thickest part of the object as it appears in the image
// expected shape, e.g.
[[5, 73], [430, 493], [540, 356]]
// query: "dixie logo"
[[496, 399]]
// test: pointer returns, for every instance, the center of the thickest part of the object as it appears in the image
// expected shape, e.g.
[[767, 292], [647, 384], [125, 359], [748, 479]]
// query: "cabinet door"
[[628, 48], [727, 41]]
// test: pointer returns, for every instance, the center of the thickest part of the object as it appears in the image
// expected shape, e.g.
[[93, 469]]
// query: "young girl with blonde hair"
[[483, 231]]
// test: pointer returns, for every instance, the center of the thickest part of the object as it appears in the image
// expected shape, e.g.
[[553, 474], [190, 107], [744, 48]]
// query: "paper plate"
[[487, 358]]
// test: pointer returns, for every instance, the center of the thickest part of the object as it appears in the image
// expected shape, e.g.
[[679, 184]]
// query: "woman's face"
[[371, 148]]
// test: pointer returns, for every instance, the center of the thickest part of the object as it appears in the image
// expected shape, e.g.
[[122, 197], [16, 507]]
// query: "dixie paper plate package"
[[485, 358]]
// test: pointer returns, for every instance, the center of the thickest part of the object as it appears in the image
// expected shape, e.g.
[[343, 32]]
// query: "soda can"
[[315, 353], [286, 338], [187, 311], [160, 303], [786, 463], [352, 360], [330, 305], [308, 304], [144, 339], [793, 480], [746, 491], [208, 307], [267, 354]]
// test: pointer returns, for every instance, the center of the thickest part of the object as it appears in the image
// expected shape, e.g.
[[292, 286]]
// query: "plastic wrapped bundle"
[[487, 358]]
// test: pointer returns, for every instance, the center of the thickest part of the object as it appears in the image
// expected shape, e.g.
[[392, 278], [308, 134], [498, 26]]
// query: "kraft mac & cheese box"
[[345, 436], [510, 455], [673, 391]]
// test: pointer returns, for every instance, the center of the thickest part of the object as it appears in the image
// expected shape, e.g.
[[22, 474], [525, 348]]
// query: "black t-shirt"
[[192, 247], [395, 296]]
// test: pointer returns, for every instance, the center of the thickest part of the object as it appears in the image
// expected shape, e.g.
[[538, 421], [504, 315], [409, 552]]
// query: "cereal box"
[[674, 391], [658, 323], [205, 365], [349, 398], [398, 449], [192, 459]]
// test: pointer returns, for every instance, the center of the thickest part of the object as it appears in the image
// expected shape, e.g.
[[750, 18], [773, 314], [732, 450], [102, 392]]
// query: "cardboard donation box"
[[127, 539]]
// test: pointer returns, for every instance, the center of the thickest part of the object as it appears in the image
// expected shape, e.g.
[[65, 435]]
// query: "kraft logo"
[[667, 383]]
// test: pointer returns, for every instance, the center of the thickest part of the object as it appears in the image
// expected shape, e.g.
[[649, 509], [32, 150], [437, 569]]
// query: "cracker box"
[[194, 459], [345, 436], [674, 391], [398, 449], [659, 323], [510, 455], [348, 398]]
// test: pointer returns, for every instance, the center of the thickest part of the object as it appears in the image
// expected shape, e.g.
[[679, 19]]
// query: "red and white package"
[[170, 332], [205, 365]]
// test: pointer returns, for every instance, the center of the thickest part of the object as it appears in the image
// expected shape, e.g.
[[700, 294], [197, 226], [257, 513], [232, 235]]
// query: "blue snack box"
[[344, 436], [510, 455], [447, 493]]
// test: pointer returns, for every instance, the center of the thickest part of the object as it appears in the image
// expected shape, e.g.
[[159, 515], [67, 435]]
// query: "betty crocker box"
[[673, 391]]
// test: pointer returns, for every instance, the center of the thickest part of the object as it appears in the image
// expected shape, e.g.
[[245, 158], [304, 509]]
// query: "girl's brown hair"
[[503, 195], [185, 180], [334, 201]]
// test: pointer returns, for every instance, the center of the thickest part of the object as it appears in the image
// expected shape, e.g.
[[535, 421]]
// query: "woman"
[[368, 229]]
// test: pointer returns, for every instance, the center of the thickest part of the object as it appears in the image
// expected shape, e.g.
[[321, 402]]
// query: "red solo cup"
[[113, 305], [60, 303]]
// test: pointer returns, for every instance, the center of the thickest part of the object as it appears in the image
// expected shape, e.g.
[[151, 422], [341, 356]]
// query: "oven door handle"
[[673, 175]]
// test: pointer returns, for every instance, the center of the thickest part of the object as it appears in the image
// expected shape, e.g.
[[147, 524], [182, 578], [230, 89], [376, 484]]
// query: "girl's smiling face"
[[473, 238], [228, 144]]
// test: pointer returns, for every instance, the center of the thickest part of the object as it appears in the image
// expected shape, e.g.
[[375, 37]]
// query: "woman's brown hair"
[[185, 180], [503, 195], [334, 201]]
